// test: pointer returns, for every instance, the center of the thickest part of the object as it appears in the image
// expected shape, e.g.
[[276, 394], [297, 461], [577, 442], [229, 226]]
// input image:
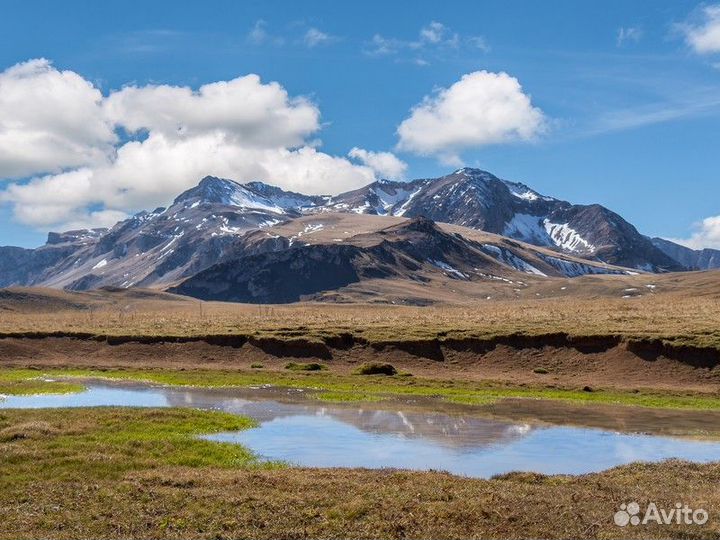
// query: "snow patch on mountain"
[[508, 257], [361, 209], [447, 268], [567, 238], [576, 269], [521, 191], [529, 229], [309, 229], [390, 197], [247, 199], [542, 232], [287, 200]]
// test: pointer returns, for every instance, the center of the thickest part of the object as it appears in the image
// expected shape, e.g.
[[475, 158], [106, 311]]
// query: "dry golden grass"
[[677, 319]]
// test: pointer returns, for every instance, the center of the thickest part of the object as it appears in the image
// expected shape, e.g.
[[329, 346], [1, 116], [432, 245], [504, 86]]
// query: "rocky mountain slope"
[[154, 249], [692, 259], [413, 250], [478, 199], [221, 221]]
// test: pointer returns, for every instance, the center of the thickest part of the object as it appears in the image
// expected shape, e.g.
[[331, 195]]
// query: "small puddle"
[[398, 435]]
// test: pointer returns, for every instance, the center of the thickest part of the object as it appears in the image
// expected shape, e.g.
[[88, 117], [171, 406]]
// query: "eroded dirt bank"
[[596, 361]]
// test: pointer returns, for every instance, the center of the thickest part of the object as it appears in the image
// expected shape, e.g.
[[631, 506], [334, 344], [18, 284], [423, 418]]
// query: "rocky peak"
[[254, 195], [211, 189], [285, 199], [470, 172], [81, 235]]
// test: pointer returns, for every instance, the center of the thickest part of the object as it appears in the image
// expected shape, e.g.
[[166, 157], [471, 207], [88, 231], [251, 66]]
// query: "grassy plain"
[[120, 473], [143, 473], [678, 318]]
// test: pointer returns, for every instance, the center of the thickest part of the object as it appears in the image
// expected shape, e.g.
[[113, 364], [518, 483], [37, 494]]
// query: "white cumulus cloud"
[[385, 164], [481, 108], [49, 120], [706, 235], [703, 35], [58, 132], [244, 109]]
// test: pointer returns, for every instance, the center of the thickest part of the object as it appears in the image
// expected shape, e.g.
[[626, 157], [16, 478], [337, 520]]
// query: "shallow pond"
[[411, 436]]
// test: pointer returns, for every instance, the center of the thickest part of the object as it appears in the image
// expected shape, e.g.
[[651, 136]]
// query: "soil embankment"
[[553, 359]]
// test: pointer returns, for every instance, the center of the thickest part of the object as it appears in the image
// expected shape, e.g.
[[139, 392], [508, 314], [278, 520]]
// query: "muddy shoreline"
[[606, 362]]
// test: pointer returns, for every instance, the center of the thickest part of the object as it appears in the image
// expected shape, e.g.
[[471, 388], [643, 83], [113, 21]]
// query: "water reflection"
[[310, 433]]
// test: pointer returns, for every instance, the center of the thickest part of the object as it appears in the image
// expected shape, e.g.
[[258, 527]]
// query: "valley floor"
[[119, 473], [115, 473]]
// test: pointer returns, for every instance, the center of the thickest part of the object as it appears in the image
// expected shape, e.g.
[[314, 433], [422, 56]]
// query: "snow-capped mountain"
[[478, 199], [221, 220], [251, 196], [467, 197], [153, 249]]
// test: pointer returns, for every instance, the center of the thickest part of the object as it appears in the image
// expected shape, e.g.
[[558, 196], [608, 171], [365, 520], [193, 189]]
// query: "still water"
[[311, 433]]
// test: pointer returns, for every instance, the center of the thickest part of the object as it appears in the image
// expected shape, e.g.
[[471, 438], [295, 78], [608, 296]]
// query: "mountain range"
[[258, 243]]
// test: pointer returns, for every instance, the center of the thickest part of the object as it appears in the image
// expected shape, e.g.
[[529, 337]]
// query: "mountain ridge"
[[415, 250], [478, 199], [693, 259], [222, 220]]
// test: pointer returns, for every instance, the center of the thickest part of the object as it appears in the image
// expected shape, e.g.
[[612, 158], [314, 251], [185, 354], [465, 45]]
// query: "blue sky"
[[630, 104]]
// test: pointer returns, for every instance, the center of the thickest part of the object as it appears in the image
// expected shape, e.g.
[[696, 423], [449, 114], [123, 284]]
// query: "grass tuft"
[[376, 368], [301, 366]]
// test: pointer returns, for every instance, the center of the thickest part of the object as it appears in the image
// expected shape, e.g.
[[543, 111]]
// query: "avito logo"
[[680, 514]]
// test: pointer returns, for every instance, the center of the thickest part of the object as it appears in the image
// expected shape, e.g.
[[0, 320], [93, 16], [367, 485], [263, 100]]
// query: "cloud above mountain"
[[385, 164], [703, 34], [72, 155], [482, 108], [243, 109], [706, 234], [49, 120]]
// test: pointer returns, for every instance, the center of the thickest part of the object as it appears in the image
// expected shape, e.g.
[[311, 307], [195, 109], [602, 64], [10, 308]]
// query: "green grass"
[[107, 442], [650, 400], [15, 382], [300, 366], [373, 388], [376, 368], [339, 397]]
